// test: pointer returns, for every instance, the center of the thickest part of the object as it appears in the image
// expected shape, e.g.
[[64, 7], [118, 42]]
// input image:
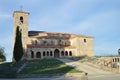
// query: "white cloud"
[[99, 22], [4, 16]]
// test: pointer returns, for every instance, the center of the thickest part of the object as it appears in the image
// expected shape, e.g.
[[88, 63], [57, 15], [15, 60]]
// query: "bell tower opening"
[[21, 19]]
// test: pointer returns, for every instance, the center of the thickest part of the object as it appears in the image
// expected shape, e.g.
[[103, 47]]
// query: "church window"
[[21, 19], [85, 41]]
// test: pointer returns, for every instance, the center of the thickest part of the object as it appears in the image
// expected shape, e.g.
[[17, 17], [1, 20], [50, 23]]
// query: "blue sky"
[[98, 18]]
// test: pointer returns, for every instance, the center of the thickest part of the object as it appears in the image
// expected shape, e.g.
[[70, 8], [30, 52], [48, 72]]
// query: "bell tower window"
[[21, 19]]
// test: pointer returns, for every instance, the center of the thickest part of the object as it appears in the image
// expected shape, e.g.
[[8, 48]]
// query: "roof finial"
[[21, 7]]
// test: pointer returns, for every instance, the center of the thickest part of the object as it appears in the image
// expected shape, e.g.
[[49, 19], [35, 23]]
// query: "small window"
[[85, 41], [21, 19]]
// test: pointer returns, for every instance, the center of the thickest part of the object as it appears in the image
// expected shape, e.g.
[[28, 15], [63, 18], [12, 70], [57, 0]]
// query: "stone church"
[[43, 44]]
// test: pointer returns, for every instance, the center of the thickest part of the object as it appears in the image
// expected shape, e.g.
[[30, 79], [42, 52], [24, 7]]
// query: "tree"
[[119, 52], [2, 54], [18, 48]]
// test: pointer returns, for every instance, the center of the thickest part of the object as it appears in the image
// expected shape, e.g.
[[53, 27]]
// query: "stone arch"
[[70, 53], [51, 53], [44, 53], [47, 53], [56, 53], [62, 53], [66, 53], [32, 54], [38, 55]]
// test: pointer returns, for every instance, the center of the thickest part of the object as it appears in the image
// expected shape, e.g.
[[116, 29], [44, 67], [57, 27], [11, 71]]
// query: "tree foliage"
[[18, 49], [2, 54], [119, 52]]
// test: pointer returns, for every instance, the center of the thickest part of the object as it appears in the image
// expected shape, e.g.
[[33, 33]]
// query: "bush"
[[2, 54]]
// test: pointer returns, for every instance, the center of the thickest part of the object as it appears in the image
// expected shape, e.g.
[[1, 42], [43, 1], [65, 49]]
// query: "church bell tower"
[[21, 20]]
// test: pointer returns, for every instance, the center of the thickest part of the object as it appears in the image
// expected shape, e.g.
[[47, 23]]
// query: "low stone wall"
[[116, 70]]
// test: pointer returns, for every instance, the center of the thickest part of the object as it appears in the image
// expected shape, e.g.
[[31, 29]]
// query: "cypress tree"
[[18, 48], [2, 54]]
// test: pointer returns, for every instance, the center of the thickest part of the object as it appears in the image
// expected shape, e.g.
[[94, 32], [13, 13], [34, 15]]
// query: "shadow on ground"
[[38, 67]]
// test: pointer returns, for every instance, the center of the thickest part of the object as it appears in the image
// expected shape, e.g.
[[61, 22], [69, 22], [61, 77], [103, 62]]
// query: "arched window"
[[66, 53], [21, 19], [62, 53], [70, 53], [47, 53], [32, 54], [51, 53], [44, 53]]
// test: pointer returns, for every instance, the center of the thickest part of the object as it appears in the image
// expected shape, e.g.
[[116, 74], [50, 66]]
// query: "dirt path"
[[88, 69]]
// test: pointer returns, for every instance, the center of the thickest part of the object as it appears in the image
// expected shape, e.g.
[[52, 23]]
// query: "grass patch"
[[47, 66], [9, 69]]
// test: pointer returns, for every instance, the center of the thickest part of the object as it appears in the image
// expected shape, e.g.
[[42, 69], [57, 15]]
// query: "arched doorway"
[[56, 53], [44, 53], [62, 53], [47, 53], [51, 53], [38, 55], [66, 53], [70, 53]]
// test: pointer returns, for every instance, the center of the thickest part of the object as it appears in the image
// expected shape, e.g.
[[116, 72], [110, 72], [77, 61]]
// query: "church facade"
[[42, 44]]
